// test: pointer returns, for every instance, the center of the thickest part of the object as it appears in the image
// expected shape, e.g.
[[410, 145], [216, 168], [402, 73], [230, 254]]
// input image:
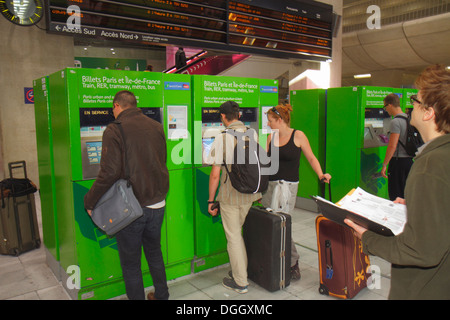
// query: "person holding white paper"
[[420, 255]]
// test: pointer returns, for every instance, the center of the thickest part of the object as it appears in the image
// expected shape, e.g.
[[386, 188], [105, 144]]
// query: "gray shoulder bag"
[[118, 207]]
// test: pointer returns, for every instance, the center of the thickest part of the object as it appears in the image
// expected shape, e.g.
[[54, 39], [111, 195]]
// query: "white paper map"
[[384, 212]]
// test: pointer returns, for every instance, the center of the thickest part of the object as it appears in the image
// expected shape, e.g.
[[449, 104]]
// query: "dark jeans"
[[144, 232], [398, 173]]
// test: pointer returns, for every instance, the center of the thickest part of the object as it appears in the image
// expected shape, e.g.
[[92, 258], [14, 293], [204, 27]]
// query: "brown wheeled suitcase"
[[18, 221], [343, 267], [267, 237]]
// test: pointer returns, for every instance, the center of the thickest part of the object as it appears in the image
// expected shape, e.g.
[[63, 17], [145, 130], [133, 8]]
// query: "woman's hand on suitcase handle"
[[325, 178], [358, 230]]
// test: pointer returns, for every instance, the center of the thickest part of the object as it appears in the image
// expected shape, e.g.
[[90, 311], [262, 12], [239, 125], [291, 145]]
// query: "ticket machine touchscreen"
[[93, 122], [212, 126], [376, 128], [91, 153], [206, 148]]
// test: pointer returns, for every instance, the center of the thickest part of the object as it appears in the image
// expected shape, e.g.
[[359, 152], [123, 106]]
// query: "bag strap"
[[127, 170], [1, 193], [237, 136], [225, 132], [399, 140]]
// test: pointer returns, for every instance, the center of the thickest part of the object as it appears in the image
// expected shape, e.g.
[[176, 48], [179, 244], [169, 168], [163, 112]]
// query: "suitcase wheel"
[[323, 290]]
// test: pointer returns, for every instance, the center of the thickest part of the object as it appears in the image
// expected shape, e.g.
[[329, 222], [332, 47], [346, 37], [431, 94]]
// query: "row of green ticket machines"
[[74, 106]]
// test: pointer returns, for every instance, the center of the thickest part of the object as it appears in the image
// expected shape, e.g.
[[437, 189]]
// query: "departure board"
[[281, 28]]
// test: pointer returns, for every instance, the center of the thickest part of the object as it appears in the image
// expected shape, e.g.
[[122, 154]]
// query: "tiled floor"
[[27, 277]]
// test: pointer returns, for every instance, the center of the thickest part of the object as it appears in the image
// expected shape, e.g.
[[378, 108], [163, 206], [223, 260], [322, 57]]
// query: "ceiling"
[[412, 35]]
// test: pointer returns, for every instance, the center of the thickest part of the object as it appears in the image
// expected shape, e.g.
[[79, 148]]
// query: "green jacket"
[[420, 256]]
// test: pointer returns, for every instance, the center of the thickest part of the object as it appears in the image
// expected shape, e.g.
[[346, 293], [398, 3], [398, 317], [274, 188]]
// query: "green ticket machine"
[[72, 113], [209, 92], [406, 100], [44, 142], [309, 116], [357, 138]]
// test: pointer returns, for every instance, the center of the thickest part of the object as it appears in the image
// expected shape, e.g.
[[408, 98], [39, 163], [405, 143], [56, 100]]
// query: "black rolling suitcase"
[[267, 237], [18, 221]]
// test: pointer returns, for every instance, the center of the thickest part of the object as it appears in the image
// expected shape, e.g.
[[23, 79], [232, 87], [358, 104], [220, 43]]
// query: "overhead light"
[[362, 76]]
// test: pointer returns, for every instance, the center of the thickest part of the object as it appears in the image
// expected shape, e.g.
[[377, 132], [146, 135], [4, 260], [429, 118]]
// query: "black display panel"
[[287, 26], [248, 114], [282, 28], [153, 113], [211, 115], [377, 113], [95, 117]]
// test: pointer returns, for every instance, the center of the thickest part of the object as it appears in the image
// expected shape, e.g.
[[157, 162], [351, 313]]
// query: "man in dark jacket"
[[145, 144]]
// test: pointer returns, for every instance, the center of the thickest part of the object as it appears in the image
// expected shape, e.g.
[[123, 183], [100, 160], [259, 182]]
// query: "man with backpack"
[[399, 160], [234, 205]]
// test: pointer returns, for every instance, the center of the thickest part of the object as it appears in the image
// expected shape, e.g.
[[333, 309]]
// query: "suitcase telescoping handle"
[[322, 181], [267, 209], [17, 165]]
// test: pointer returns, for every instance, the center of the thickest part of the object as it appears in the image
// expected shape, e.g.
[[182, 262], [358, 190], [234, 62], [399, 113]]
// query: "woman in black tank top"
[[289, 155], [287, 144], [290, 144]]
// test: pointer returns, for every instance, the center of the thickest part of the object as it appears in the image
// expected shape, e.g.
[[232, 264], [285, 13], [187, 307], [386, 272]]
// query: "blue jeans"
[[144, 232]]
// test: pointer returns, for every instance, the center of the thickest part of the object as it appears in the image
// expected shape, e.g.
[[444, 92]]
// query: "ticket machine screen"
[[94, 151], [367, 133], [206, 148], [93, 122], [248, 115], [153, 113], [91, 153], [376, 127], [212, 126]]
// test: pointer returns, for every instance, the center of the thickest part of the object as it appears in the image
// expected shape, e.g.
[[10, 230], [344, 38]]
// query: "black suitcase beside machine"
[[18, 221], [267, 237]]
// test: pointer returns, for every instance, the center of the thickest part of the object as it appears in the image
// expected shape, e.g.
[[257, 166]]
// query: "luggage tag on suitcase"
[[329, 273]]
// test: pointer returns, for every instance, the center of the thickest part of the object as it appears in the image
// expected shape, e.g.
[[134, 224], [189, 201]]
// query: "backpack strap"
[[237, 135], [124, 158], [225, 132], [407, 124]]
